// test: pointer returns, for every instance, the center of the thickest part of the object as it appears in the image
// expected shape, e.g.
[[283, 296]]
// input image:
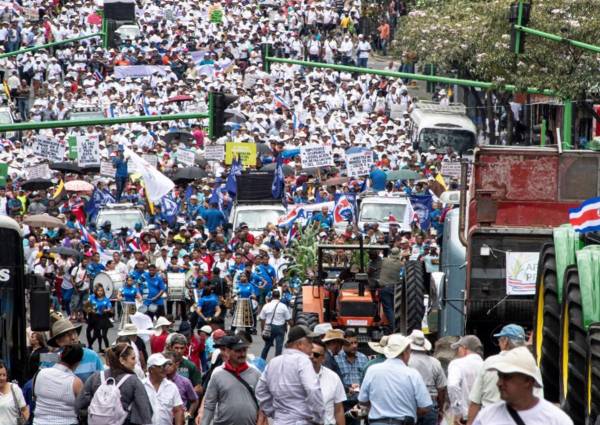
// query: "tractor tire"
[[409, 308], [297, 309], [309, 320], [593, 375], [573, 354], [547, 323]]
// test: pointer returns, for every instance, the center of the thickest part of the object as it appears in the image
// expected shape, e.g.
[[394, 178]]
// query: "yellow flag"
[[6, 89], [59, 190], [440, 179], [150, 203]]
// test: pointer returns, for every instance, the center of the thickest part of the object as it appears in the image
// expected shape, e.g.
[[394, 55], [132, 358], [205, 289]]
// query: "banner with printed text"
[[88, 150], [521, 272], [214, 152], [359, 164], [246, 152], [185, 157], [313, 156], [50, 149]]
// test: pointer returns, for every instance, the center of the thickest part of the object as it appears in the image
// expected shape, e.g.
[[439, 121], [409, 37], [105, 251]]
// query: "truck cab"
[[383, 208], [121, 215], [440, 126]]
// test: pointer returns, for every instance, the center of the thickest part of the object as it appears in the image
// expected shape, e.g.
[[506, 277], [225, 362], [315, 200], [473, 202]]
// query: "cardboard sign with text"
[[359, 164], [313, 156], [245, 151]]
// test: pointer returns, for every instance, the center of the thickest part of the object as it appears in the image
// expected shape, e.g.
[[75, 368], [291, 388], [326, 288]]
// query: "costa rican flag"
[[290, 218], [343, 211], [586, 217], [87, 237]]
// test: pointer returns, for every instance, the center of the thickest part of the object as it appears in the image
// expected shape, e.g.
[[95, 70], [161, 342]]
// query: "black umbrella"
[[287, 170], [182, 135], [66, 167], [90, 169], [188, 174], [37, 184], [235, 117], [67, 252]]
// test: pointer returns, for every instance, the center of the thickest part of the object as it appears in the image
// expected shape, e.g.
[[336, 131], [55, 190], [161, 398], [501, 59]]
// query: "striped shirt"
[[55, 400]]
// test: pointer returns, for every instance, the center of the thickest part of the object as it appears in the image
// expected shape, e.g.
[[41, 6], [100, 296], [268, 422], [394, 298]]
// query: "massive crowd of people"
[[182, 357]]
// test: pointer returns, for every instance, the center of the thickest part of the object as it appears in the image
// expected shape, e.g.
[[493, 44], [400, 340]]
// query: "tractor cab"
[[340, 293]]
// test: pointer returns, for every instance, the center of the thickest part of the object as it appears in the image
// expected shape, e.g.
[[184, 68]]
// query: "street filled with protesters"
[[164, 309]]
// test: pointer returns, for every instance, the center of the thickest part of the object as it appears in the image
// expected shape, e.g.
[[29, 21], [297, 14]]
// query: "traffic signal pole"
[[48, 45], [211, 118], [42, 125]]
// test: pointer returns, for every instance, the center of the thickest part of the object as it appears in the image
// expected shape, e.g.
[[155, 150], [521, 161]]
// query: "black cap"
[[236, 342], [224, 341], [298, 332]]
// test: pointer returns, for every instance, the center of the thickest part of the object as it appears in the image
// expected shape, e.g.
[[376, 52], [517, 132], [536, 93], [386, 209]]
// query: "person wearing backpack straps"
[[274, 317], [97, 400], [518, 375]]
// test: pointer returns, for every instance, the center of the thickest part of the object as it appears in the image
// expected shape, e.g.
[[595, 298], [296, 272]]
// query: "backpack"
[[105, 407]]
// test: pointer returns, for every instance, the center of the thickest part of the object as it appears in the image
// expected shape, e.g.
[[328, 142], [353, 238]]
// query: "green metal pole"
[[518, 35], [567, 124], [103, 121], [558, 38], [394, 74], [211, 115], [267, 64], [543, 130], [104, 32], [48, 45]]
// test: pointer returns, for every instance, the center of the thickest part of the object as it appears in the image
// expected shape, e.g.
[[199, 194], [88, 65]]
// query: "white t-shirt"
[[8, 411], [543, 413], [163, 401], [279, 316], [333, 392]]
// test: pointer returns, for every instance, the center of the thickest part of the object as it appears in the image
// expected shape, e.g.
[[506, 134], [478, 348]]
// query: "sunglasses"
[[316, 355]]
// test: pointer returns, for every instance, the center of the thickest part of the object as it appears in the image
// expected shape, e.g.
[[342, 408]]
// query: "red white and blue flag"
[[586, 217], [343, 211], [86, 237], [290, 218]]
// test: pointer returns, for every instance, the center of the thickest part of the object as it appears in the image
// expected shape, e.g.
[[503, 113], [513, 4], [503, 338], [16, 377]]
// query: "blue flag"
[[231, 183], [216, 197], [422, 205], [278, 186], [99, 199], [169, 208]]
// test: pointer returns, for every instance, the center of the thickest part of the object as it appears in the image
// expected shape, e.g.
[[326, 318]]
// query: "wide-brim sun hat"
[[396, 345], [518, 360], [379, 346], [61, 327], [418, 341]]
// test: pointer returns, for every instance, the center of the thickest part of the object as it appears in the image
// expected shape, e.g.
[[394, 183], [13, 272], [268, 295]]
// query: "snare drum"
[[176, 286], [107, 283]]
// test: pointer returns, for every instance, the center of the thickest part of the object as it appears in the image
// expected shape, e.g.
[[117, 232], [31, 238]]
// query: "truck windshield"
[[120, 219], [258, 219], [460, 140], [380, 213]]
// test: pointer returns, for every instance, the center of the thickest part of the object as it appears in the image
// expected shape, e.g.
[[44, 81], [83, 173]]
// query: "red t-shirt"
[[158, 342]]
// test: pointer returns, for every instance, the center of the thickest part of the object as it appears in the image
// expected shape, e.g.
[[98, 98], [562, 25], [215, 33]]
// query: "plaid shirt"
[[351, 372]]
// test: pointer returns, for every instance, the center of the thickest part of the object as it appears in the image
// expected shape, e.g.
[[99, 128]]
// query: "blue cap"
[[512, 331]]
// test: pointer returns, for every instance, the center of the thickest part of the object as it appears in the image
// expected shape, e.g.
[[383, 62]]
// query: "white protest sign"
[[451, 169], [185, 157], [50, 149], [41, 171], [521, 272], [214, 152], [359, 164], [152, 159], [88, 151], [107, 169], [316, 156]]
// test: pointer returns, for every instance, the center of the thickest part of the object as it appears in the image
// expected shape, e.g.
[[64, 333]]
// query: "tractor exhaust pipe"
[[462, 205]]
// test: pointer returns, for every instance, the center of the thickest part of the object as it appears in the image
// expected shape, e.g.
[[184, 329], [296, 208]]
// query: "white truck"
[[383, 208], [121, 215]]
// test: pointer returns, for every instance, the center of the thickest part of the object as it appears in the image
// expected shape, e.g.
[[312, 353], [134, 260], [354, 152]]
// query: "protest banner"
[[359, 163], [107, 169], [521, 272], [313, 156], [245, 151], [40, 171], [214, 152], [88, 151], [50, 149], [451, 169], [185, 157]]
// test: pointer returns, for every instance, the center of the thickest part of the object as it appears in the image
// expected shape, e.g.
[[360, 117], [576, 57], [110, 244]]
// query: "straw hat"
[[161, 321], [61, 327], [128, 330], [379, 346], [518, 360], [334, 335], [396, 345], [418, 341]]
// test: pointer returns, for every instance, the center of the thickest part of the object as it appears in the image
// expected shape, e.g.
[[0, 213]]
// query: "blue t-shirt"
[[100, 304], [93, 269], [245, 290], [267, 272], [154, 285], [89, 364], [120, 166], [208, 304], [129, 293], [378, 178], [214, 218]]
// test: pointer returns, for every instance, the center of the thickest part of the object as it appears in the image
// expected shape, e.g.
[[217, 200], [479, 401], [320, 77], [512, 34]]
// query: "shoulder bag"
[[513, 414], [266, 332], [246, 385], [20, 419]]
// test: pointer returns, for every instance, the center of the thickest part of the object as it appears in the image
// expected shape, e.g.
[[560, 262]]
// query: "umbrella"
[[79, 186], [236, 117], [180, 98], [402, 175], [66, 167], [36, 184], [287, 170], [89, 169], [356, 149], [67, 252], [94, 19], [189, 174], [182, 135], [199, 160], [43, 220], [335, 181]]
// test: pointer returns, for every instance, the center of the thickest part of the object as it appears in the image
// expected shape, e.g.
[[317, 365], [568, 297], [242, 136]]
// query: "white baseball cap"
[[157, 359]]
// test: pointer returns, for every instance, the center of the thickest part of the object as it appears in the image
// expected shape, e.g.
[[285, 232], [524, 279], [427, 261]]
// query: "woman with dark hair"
[[12, 402], [120, 360], [56, 388], [38, 345], [99, 317]]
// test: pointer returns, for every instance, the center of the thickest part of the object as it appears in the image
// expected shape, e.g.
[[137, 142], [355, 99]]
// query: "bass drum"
[[107, 283]]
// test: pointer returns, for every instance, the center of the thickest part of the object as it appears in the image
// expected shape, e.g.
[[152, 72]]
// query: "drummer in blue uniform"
[[99, 318], [156, 287]]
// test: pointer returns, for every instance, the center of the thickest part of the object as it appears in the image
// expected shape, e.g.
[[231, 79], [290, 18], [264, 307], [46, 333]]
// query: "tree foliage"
[[472, 39]]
